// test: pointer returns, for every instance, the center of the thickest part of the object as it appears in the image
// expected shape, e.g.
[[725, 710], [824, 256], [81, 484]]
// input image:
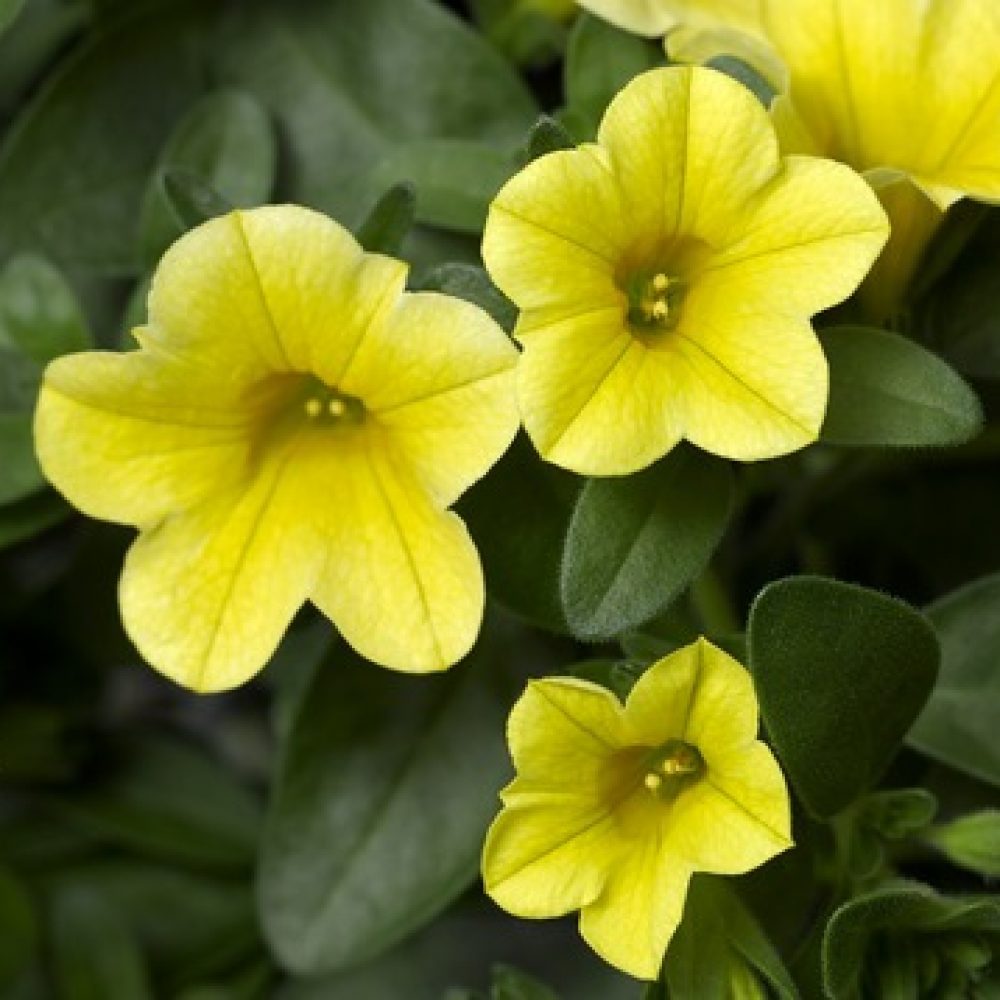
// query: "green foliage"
[[19, 920], [390, 219], [841, 673], [971, 842], [548, 135], [9, 12], [958, 725], [667, 522]]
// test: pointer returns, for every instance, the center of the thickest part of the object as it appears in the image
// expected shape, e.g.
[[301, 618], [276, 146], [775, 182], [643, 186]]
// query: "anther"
[[660, 310], [337, 407], [313, 407], [652, 781], [660, 283]]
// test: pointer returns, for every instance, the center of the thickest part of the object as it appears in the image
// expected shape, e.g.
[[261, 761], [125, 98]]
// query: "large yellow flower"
[[615, 807], [666, 277], [294, 427]]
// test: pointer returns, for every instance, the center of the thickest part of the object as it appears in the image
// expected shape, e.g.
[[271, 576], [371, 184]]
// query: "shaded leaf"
[[390, 219], [472, 283], [20, 932], [971, 841]]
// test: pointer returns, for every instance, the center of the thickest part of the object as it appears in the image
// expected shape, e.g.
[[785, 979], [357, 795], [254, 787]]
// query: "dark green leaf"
[[971, 841], [18, 928], [227, 141], [635, 543], [841, 673], [600, 60], [472, 283], [31, 516], [548, 136], [95, 955], [519, 515], [510, 984], [385, 790], [455, 179], [169, 800], [9, 11], [887, 391], [616, 675], [20, 475], [744, 73], [898, 813], [189, 198], [525, 30], [390, 220], [959, 724]]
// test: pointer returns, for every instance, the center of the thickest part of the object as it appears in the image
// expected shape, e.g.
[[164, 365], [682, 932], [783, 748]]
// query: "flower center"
[[654, 301], [672, 768], [327, 407]]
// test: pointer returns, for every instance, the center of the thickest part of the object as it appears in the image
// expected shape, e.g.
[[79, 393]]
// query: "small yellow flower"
[[294, 427], [615, 807], [654, 18], [666, 276]]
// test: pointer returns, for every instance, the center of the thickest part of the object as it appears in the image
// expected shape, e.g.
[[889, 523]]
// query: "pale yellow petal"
[[631, 923], [545, 859], [556, 231], [689, 147], [207, 594], [403, 583], [698, 694], [594, 398], [562, 733], [438, 376], [642, 17], [737, 816], [131, 438]]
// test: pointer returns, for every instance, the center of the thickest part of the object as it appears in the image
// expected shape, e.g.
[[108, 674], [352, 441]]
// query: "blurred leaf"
[[971, 842], [190, 199], [529, 32], [635, 542], [39, 743], [744, 73], [168, 799], [9, 11], [719, 951], [959, 723], [20, 475], [18, 928], [616, 675], [28, 517], [390, 220], [385, 789], [548, 136], [887, 391], [600, 60], [95, 955], [519, 515], [455, 179], [472, 283], [227, 141], [841, 673], [510, 984], [898, 813]]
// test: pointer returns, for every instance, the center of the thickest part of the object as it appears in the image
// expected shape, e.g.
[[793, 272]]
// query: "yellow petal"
[[403, 583], [631, 923], [273, 289], [689, 147], [207, 594], [699, 694], [562, 732], [544, 858], [130, 437], [642, 17], [438, 376], [737, 816], [594, 398], [555, 232]]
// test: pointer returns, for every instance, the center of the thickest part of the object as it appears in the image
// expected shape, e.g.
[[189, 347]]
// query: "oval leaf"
[[386, 787], [635, 543], [841, 673], [886, 391]]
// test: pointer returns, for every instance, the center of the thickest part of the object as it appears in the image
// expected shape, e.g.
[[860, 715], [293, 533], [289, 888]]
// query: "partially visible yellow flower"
[[666, 277], [294, 426], [615, 807]]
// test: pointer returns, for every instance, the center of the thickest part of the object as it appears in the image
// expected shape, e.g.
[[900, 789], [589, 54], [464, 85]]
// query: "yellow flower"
[[666, 276], [615, 807], [294, 427]]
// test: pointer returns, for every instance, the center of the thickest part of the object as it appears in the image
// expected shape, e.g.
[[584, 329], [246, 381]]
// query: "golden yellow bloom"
[[615, 807], [666, 276], [294, 427]]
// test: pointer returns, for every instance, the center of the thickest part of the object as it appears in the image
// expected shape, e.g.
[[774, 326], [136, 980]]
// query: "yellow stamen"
[[660, 309], [652, 781], [337, 407], [313, 407], [660, 283]]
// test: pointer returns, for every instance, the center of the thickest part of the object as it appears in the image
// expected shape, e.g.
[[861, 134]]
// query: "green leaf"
[[168, 799], [455, 179], [720, 951], [385, 789], [189, 199], [841, 673], [31, 516], [20, 475], [472, 283], [227, 141], [600, 60], [510, 984], [887, 391], [878, 938], [971, 841], [634, 543], [390, 219], [898, 813], [744, 73], [519, 515], [19, 921], [959, 723], [618, 676], [9, 12], [95, 954], [548, 136]]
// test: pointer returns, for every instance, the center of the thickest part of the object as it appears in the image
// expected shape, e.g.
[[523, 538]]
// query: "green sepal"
[[548, 135], [390, 219], [472, 283], [971, 842], [841, 674]]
